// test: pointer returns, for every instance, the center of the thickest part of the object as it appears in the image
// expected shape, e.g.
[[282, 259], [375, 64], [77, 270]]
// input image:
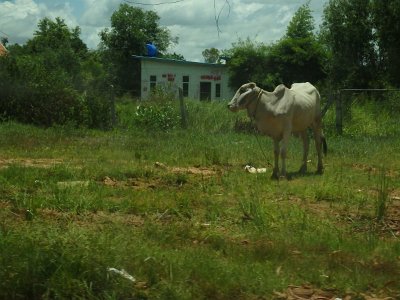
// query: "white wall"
[[170, 73]]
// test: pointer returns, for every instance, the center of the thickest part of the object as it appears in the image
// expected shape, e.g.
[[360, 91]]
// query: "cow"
[[281, 113]]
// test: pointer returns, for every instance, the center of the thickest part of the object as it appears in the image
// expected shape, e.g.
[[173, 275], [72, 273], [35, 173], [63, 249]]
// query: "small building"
[[201, 81]]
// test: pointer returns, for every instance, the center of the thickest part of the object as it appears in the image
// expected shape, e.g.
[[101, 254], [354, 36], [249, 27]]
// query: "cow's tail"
[[324, 145]]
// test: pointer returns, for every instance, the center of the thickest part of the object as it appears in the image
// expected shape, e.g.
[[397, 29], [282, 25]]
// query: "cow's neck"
[[254, 105]]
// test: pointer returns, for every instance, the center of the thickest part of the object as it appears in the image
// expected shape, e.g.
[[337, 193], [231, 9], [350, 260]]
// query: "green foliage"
[[36, 94], [297, 57], [382, 201], [385, 15], [295, 60], [211, 55], [54, 80], [246, 62], [347, 31], [160, 113], [131, 28], [302, 23], [368, 117], [154, 116], [173, 55]]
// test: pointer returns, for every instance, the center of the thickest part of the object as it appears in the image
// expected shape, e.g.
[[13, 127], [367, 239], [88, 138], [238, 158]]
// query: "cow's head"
[[243, 97]]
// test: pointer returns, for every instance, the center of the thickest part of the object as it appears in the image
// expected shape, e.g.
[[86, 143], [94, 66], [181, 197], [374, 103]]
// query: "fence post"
[[183, 110], [339, 113], [112, 102], [331, 100]]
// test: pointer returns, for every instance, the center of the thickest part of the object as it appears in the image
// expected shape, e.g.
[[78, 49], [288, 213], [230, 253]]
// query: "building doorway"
[[205, 91]]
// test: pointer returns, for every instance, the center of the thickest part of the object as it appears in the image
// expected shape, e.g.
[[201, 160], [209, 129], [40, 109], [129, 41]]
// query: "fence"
[[344, 99]]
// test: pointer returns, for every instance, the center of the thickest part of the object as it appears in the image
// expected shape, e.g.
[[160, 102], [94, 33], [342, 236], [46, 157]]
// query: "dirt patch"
[[135, 183], [30, 162], [362, 220], [307, 292], [156, 182], [84, 218], [203, 171], [371, 170]]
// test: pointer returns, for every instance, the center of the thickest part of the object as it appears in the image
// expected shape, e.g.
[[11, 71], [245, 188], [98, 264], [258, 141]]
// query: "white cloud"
[[98, 12], [193, 21], [19, 19]]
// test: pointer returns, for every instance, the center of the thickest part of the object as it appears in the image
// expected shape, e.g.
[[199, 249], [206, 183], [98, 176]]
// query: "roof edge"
[[160, 59]]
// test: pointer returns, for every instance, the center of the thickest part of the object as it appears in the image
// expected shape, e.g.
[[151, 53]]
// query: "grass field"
[[176, 210]]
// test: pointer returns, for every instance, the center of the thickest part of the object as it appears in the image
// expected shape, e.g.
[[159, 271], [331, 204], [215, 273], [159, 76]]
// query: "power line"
[[216, 17], [4, 33], [159, 3]]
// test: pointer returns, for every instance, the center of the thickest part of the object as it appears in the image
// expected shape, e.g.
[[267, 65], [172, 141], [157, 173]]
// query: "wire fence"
[[360, 110]]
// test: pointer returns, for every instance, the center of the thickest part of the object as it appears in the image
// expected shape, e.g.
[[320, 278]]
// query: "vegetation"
[[354, 48], [174, 207], [211, 55], [177, 211], [54, 79], [131, 29]]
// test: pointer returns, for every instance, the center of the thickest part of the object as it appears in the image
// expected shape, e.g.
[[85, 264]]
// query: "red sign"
[[210, 77]]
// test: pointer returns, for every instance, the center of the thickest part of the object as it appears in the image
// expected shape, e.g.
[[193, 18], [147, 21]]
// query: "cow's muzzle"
[[233, 108]]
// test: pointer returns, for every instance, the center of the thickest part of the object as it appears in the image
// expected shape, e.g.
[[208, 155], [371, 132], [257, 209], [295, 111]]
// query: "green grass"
[[74, 202]]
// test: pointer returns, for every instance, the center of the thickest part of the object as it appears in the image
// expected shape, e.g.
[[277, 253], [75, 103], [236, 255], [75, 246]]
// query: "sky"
[[192, 21]]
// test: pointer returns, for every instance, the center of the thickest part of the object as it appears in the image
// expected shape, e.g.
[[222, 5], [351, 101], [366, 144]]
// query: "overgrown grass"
[[75, 202]]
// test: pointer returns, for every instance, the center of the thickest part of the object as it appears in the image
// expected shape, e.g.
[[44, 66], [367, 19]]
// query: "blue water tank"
[[151, 49]]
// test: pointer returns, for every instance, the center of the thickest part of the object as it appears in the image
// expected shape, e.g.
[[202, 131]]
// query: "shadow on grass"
[[296, 175]]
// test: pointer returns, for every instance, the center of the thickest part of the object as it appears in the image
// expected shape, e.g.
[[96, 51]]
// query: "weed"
[[382, 200], [228, 234]]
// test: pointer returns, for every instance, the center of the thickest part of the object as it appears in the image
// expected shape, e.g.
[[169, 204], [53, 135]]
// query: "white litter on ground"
[[254, 170], [123, 273]]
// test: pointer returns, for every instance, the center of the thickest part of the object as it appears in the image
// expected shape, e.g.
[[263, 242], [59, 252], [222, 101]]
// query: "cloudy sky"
[[192, 21]]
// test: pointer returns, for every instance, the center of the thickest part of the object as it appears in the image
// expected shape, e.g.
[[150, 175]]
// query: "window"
[[153, 82], [217, 90], [185, 86], [205, 90]]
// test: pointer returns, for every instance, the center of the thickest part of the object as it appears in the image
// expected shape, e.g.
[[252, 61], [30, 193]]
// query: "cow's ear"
[[252, 85]]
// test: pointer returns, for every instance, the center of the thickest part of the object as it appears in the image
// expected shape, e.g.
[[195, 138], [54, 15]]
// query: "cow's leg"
[[306, 145], [275, 172], [285, 141], [318, 145]]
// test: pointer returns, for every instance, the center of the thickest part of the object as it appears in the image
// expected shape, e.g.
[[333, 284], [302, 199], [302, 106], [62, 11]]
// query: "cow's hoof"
[[303, 169]]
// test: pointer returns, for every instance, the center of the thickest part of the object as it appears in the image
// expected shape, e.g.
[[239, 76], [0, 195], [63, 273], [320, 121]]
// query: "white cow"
[[281, 113]]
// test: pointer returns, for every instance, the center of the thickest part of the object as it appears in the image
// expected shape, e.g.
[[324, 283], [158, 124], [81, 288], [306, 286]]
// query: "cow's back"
[[306, 105]]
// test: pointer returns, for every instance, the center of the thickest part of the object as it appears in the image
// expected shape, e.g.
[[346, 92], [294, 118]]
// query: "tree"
[[297, 57], [131, 29], [61, 46], [174, 55], [50, 80], [301, 25], [347, 32], [385, 15], [246, 63], [211, 55]]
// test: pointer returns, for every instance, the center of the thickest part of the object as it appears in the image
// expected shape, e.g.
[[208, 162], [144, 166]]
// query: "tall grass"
[[76, 202]]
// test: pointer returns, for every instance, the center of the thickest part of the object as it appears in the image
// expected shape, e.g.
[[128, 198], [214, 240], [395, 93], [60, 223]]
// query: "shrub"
[[156, 116], [32, 92]]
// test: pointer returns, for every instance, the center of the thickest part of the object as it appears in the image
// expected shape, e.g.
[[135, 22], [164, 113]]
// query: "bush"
[[31, 92], [156, 116]]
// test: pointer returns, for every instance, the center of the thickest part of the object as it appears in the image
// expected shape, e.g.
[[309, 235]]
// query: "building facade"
[[201, 81]]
